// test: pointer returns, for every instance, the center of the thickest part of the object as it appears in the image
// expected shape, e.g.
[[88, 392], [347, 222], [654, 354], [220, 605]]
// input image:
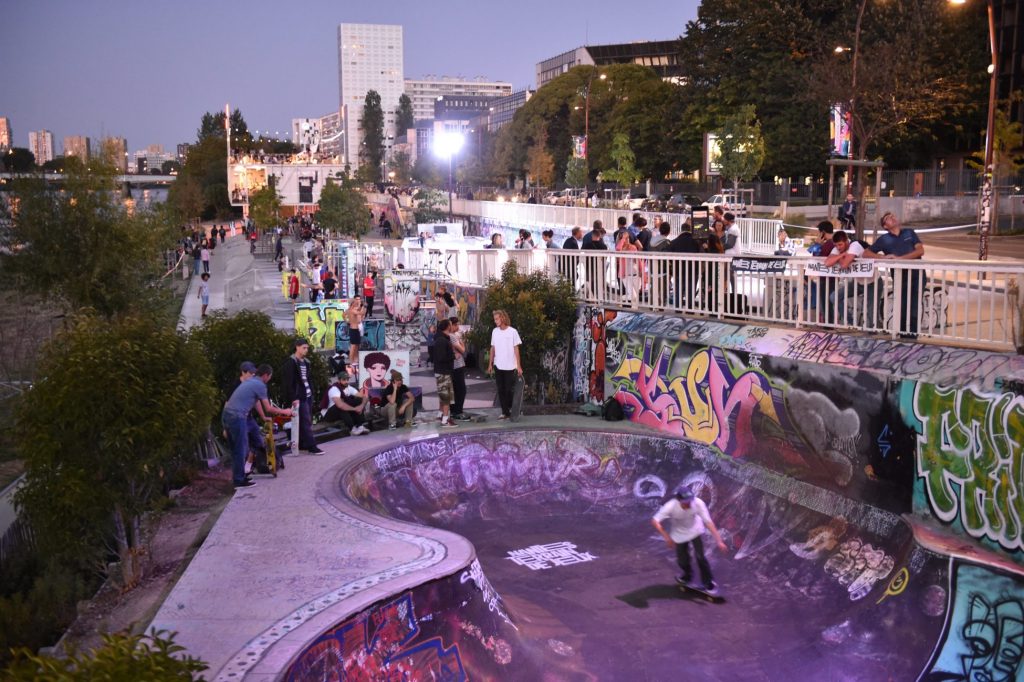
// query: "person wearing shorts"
[[204, 291], [444, 366]]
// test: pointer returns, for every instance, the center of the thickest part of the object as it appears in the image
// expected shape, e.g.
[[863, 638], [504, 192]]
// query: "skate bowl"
[[571, 582]]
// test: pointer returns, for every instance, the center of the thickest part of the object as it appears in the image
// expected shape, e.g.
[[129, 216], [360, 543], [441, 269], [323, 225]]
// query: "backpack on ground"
[[612, 410]]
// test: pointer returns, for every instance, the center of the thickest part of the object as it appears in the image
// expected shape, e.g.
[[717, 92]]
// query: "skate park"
[[866, 489]]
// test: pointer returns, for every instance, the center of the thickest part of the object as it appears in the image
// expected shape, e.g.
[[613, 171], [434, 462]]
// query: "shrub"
[[543, 311], [153, 657]]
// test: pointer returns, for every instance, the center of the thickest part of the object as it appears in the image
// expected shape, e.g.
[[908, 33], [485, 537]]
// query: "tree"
[[371, 123], [541, 164], [428, 171], [212, 125], [741, 145], [54, 165], [401, 166], [228, 341], [89, 483], [576, 172], [78, 246], [624, 171], [431, 205], [154, 657], [404, 119], [265, 207], [542, 310], [171, 166], [19, 160], [343, 209], [206, 164]]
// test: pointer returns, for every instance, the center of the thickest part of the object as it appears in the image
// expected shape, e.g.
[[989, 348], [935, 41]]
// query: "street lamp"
[[985, 198], [586, 114], [447, 144]]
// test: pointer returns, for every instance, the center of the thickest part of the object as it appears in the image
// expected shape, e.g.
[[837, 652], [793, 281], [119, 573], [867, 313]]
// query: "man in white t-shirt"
[[687, 517], [346, 404], [505, 344], [732, 244], [853, 294]]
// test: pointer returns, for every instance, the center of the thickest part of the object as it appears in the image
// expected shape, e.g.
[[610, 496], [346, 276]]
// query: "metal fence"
[[953, 302]]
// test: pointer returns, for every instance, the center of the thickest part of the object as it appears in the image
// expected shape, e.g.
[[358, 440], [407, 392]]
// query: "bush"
[[153, 657], [37, 602], [542, 310], [229, 341]]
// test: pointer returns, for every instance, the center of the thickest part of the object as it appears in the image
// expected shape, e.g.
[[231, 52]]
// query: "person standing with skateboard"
[[688, 516], [505, 344]]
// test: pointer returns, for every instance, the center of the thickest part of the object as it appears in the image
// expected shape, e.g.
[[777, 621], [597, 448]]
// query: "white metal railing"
[[954, 302], [537, 217]]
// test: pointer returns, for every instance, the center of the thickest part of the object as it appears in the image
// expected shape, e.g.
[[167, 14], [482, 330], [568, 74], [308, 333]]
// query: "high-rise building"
[[40, 143], [660, 55], [114, 150], [424, 92], [77, 146], [369, 58], [183, 149], [332, 136], [6, 136]]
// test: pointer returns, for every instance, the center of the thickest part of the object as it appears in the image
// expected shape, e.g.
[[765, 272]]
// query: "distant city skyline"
[[148, 72]]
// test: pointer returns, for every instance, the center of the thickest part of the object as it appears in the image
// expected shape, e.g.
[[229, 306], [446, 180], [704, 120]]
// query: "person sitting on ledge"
[[346, 404]]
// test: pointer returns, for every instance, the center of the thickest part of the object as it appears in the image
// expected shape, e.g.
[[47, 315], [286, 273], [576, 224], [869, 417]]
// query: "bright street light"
[[447, 144]]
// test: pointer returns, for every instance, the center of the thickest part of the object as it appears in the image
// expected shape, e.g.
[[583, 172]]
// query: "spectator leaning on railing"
[[900, 243]]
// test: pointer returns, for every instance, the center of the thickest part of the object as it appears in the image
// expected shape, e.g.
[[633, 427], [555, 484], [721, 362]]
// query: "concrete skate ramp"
[[579, 586]]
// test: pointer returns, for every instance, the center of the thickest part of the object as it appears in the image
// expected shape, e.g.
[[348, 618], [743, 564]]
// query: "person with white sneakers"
[[346, 404]]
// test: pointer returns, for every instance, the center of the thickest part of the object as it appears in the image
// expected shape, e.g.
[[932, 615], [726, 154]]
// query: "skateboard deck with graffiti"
[[714, 595], [517, 400], [268, 437]]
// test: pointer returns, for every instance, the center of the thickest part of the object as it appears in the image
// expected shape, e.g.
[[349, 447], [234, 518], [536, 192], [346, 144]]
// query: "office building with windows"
[[424, 92], [660, 55], [40, 143], [369, 58], [78, 146]]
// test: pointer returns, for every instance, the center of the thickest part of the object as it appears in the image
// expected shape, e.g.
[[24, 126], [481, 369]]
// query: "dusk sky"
[[148, 70]]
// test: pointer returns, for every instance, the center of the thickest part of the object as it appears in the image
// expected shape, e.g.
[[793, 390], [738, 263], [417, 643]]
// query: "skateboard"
[[517, 400], [268, 435], [294, 432], [714, 596]]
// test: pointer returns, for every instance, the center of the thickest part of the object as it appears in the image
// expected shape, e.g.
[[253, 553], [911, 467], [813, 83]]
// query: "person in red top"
[[369, 289], [293, 285]]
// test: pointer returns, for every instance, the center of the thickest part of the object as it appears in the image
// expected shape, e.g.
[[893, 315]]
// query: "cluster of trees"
[[201, 190], [919, 84], [375, 147]]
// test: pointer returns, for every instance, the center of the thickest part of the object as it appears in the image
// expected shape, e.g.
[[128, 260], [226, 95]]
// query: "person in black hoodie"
[[297, 389], [444, 367]]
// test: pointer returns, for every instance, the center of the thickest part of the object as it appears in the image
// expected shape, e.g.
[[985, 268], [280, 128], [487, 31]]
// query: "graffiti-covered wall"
[[589, 351], [441, 630], [318, 322], [939, 431]]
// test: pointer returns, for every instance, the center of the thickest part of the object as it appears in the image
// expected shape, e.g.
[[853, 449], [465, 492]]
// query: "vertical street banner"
[[839, 130], [579, 146]]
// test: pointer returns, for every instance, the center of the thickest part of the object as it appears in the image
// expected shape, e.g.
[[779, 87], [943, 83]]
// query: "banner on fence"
[[858, 269], [763, 266]]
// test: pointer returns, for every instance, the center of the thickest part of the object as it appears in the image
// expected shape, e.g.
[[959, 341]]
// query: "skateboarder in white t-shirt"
[[688, 516], [505, 344]]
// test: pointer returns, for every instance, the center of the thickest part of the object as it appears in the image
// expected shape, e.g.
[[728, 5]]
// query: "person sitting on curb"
[[346, 404], [401, 401]]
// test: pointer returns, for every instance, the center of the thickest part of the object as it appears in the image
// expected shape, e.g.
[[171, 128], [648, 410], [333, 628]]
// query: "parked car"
[[654, 203], [634, 200], [727, 202], [682, 203]]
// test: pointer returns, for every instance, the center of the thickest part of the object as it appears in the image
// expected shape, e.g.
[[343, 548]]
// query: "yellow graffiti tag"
[[896, 585]]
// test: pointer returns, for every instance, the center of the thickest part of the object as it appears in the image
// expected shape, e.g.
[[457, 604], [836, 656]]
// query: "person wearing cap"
[[400, 401], [346, 404], [687, 517], [250, 392], [297, 390]]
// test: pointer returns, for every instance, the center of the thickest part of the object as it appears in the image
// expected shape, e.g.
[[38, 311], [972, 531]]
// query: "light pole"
[[985, 198], [448, 144], [586, 119]]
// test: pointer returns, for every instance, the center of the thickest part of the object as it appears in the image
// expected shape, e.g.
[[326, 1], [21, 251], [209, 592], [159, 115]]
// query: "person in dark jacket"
[[297, 389], [444, 367]]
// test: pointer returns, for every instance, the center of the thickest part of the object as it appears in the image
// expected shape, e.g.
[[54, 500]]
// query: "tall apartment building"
[[114, 150], [424, 92], [6, 136], [40, 143], [183, 149], [369, 58], [78, 146]]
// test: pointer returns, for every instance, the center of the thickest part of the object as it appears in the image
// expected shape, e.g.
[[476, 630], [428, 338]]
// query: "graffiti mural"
[[402, 336], [436, 631], [318, 322], [375, 367], [374, 336], [969, 460], [589, 346], [984, 637], [401, 297], [556, 363]]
